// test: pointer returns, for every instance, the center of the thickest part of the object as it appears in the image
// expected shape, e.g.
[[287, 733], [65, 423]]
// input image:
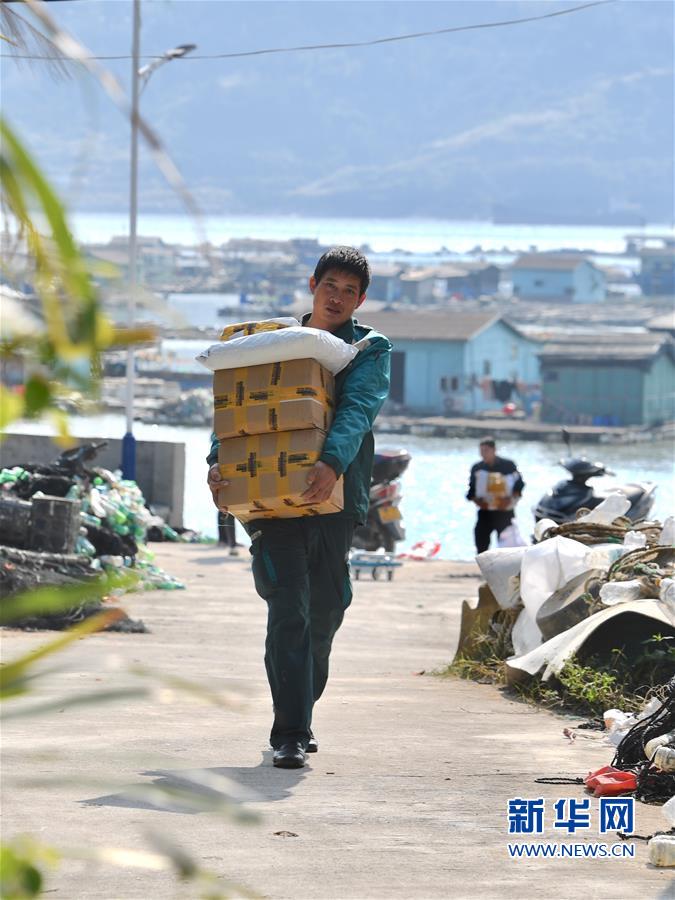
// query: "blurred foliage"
[[20, 877], [63, 353], [59, 341]]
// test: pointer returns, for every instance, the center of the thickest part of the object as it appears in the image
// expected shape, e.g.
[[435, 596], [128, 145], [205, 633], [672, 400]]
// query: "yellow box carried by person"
[[283, 396], [267, 474]]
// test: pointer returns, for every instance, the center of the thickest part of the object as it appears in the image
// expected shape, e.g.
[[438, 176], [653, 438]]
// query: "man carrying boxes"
[[292, 459]]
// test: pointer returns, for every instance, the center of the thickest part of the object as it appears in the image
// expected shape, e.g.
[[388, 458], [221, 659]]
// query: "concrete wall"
[[160, 466]]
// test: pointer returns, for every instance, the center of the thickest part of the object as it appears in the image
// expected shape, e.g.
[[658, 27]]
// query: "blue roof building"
[[558, 277], [457, 363]]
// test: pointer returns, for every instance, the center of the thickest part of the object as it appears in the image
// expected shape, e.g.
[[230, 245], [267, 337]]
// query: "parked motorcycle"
[[562, 502], [384, 526]]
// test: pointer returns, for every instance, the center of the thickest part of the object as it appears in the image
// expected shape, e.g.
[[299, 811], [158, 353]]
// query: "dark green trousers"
[[300, 569]]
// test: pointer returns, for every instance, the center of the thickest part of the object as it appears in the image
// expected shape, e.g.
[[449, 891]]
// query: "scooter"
[[384, 526], [562, 502]]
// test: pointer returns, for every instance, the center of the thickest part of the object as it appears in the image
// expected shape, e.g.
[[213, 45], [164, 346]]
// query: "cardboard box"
[[241, 329], [268, 474], [286, 396]]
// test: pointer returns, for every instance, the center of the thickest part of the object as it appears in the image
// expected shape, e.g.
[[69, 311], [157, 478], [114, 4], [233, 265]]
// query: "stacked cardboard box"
[[271, 421], [286, 396]]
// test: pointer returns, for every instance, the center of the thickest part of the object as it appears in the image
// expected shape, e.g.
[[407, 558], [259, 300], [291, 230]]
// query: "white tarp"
[[554, 653], [501, 569]]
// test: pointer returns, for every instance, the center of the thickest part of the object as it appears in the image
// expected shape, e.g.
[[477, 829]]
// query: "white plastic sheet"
[[511, 537], [501, 570], [553, 654], [548, 566], [278, 346]]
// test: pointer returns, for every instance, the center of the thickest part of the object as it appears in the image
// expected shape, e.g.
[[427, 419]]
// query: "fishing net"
[[653, 785]]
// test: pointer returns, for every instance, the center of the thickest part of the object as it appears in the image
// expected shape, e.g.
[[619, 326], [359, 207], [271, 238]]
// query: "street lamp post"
[[139, 79]]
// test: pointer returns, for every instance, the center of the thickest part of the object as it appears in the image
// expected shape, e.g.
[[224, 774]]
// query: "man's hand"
[[321, 479], [481, 504], [215, 482], [503, 502]]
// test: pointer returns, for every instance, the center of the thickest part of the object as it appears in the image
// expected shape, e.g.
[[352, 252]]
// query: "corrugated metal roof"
[[414, 275], [622, 348], [548, 261], [663, 323], [431, 325]]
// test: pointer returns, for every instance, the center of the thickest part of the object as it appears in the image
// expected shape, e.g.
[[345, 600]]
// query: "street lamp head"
[[180, 50], [146, 71]]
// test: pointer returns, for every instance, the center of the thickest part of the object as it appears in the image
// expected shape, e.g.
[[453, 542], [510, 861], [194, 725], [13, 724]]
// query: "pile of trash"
[[643, 765], [67, 522], [585, 584], [594, 586]]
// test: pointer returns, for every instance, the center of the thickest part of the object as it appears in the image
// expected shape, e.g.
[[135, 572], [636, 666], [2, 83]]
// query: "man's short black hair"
[[346, 259], [488, 441]]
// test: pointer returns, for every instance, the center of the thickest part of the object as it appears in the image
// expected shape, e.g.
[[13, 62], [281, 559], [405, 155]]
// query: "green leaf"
[[20, 879], [11, 407], [38, 394], [50, 600]]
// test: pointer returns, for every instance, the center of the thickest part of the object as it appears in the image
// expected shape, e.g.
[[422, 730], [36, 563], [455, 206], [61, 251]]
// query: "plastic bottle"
[[620, 591], [615, 505], [652, 746], [662, 850], [667, 538], [88, 519], [541, 526], [664, 759], [634, 540], [84, 546]]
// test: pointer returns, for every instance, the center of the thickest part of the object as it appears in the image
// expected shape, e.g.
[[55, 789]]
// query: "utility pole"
[[129, 441], [137, 75]]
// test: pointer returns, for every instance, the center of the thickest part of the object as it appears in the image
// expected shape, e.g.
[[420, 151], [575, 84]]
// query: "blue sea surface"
[[434, 485], [381, 235]]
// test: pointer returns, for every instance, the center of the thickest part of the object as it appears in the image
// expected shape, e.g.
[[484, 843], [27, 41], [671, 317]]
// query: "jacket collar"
[[345, 332]]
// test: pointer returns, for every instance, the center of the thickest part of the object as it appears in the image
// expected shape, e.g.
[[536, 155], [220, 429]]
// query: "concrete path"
[[407, 797]]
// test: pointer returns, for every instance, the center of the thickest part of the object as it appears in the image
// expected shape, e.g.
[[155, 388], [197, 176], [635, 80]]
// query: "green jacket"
[[360, 390]]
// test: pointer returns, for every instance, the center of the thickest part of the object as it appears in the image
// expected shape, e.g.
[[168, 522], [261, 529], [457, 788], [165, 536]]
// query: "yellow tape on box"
[[268, 475], [286, 396], [241, 329]]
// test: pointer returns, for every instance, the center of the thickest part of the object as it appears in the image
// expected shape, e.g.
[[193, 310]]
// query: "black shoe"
[[312, 744], [289, 756]]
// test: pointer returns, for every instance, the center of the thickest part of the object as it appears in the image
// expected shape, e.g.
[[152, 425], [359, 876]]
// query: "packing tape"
[[242, 399], [280, 464], [246, 328]]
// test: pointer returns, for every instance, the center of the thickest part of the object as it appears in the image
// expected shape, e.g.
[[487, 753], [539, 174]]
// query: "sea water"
[[434, 485]]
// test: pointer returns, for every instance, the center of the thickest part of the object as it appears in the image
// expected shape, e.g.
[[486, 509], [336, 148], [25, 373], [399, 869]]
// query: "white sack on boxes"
[[278, 346]]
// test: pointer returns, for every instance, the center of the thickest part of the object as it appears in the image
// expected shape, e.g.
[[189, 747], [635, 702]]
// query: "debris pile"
[[67, 522], [584, 591]]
